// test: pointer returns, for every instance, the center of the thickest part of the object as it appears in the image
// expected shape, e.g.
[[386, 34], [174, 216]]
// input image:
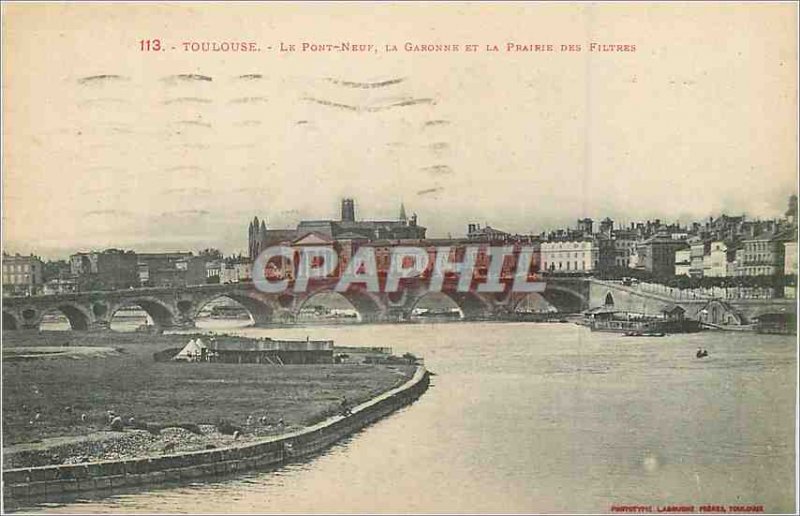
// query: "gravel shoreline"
[[127, 444]]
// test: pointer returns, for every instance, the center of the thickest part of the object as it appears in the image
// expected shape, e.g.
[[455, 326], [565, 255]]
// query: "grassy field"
[[131, 383]]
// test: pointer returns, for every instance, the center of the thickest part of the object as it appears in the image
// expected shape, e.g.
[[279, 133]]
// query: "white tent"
[[193, 351]]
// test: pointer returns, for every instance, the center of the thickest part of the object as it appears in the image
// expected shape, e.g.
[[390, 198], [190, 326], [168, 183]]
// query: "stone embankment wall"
[[46, 481]]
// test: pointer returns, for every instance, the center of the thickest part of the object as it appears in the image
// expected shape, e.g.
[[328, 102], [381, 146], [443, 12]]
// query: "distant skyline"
[[109, 146], [239, 234]]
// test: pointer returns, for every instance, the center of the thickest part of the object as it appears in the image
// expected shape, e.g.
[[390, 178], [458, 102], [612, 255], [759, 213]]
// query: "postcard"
[[399, 257]]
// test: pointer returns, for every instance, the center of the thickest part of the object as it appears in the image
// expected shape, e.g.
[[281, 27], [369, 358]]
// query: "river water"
[[538, 418]]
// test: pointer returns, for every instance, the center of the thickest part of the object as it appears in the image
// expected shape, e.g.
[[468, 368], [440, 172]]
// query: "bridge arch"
[[609, 300], [158, 311], [367, 304], [10, 321], [260, 312], [321, 294], [471, 304], [532, 298], [78, 316], [565, 299], [432, 296]]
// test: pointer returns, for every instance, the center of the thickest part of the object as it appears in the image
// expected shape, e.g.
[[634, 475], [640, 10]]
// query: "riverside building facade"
[[22, 275]]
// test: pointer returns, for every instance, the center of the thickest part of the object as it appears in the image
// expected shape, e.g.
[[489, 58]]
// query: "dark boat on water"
[[670, 320]]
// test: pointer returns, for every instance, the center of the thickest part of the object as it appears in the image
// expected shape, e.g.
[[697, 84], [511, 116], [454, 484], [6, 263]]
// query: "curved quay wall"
[[41, 482]]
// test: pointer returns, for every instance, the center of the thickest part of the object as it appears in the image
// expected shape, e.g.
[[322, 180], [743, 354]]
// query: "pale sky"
[[699, 120]]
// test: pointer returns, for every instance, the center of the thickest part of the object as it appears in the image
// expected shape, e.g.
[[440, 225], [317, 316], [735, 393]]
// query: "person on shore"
[[345, 406]]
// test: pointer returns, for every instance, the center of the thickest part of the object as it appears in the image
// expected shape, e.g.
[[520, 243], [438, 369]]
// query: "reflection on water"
[[539, 418]]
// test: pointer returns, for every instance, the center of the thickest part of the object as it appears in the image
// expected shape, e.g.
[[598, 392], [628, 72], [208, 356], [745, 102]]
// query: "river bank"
[[55, 408], [23, 485]]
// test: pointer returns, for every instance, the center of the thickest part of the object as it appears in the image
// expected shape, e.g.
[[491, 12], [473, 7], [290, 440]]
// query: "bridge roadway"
[[179, 307]]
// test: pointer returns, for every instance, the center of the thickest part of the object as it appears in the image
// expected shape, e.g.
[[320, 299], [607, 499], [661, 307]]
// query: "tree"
[[55, 269], [792, 211], [210, 253]]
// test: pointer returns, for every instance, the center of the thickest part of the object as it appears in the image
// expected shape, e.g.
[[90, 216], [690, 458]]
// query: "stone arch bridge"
[[179, 307]]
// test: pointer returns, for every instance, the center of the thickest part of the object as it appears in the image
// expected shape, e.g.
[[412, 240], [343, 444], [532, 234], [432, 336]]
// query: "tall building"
[[698, 248], [571, 256], [790, 258], [347, 228], [486, 233], [22, 275], [111, 269], [178, 269], [790, 267], [683, 262], [764, 254], [657, 254], [624, 246], [606, 226], [586, 226], [720, 260]]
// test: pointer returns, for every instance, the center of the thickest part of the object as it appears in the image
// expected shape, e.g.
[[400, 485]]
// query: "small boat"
[[644, 334]]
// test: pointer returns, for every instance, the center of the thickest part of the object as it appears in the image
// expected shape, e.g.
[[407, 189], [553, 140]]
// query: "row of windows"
[[16, 279], [577, 245], [566, 266], [759, 257], [565, 254], [758, 271], [19, 267], [758, 246]]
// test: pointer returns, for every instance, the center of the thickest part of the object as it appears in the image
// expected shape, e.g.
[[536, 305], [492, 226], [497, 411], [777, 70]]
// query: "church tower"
[[348, 210], [252, 238]]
